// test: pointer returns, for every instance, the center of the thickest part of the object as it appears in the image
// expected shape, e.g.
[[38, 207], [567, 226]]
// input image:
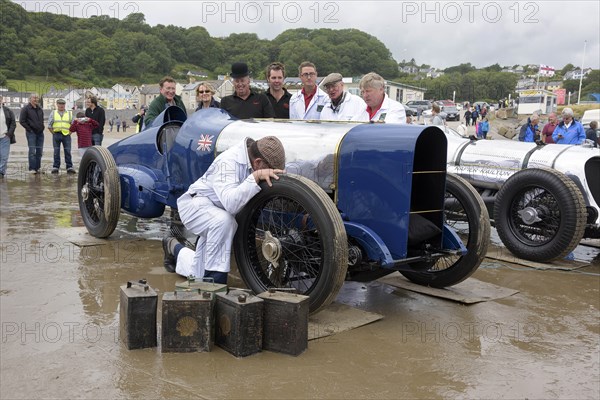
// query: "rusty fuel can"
[[203, 285], [239, 322], [187, 321], [285, 322], [137, 315]]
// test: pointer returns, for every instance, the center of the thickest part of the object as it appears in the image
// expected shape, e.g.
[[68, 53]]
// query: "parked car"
[[419, 105], [412, 112], [543, 198], [359, 201], [452, 113]]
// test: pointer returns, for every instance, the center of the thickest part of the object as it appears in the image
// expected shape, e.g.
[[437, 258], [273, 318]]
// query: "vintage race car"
[[359, 200], [543, 198]]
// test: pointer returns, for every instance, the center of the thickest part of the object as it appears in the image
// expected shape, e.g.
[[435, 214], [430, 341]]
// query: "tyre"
[[466, 214], [99, 192], [291, 235], [540, 214]]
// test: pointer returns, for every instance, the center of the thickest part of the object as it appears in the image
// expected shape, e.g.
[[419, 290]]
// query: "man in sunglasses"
[[308, 102], [209, 206]]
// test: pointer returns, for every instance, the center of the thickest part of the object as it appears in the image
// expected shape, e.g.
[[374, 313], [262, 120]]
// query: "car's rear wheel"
[[291, 235], [466, 214], [540, 214], [99, 192]]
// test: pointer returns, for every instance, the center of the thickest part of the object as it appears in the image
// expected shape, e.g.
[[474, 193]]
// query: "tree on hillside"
[[461, 69], [567, 68]]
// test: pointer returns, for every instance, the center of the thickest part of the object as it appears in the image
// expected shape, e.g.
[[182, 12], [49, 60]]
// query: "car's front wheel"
[[291, 235], [99, 192]]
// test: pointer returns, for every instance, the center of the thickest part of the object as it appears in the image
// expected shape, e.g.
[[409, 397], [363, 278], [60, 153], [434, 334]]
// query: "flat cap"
[[332, 78], [61, 101], [272, 151]]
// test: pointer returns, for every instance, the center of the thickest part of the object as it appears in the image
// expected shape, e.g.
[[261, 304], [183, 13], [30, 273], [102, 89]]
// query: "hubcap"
[[271, 249], [529, 215], [85, 192]]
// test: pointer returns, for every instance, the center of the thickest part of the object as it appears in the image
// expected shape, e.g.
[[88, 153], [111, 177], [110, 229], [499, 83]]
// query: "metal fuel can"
[[239, 322], [187, 322], [202, 284], [137, 315], [285, 321]]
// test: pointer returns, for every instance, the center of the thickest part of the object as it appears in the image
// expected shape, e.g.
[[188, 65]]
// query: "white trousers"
[[215, 229]]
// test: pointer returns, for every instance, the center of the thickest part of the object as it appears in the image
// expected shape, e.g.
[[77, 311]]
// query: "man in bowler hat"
[[244, 103]]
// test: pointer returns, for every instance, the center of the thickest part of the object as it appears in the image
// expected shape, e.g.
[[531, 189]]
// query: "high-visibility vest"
[[62, 123]]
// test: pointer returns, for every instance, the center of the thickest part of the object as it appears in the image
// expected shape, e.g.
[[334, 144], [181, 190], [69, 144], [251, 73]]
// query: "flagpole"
[[581, 77]]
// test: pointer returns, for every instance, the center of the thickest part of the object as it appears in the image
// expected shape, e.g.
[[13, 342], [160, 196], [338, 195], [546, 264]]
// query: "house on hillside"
[[553, 85], [409, 69], [123, 97], [525, 83], [49, 98], [15, 99], [577, 74]]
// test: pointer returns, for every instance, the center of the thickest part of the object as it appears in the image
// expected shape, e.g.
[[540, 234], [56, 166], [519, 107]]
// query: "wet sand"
[[59, 316]]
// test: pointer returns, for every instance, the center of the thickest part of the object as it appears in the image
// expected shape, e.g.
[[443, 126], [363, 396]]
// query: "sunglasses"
[[203, 91]]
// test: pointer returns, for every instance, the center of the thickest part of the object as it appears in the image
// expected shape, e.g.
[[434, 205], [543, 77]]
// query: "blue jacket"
[[527, 133], [574, 135], [484, 126]]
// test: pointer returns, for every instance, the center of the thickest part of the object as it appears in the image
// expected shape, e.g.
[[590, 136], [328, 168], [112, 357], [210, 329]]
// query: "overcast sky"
[[438, 33]]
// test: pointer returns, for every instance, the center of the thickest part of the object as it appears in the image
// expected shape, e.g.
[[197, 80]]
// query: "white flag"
[[546, 70]]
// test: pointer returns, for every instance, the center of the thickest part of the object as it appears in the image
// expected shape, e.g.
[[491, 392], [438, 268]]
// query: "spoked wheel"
[[291, 235], [99, 192], [466, 214], [540, 214]]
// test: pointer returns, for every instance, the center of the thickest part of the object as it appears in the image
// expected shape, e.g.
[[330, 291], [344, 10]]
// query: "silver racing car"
[[543, 198]]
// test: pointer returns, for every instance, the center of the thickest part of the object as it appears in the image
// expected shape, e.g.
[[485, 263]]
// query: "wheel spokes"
[[285, 249]]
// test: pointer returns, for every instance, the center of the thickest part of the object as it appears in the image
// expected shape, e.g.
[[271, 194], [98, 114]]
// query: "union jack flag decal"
[[205, 143]]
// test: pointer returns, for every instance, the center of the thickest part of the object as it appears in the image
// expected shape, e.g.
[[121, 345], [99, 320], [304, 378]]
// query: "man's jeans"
[[4, 150], [57, 139], [97, 139], [35, 141]]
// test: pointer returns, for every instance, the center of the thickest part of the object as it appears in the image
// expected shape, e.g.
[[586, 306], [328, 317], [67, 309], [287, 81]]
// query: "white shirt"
[[352, 108], [313, 111], [390, 111], [3, 126], [228, 182]]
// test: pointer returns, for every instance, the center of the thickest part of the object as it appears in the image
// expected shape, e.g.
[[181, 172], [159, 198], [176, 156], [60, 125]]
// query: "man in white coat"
[[209, 206], [380, 108], [341, 105], [307, 103]]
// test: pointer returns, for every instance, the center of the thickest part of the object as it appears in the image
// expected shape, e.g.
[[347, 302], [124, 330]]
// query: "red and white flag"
[[546, 70]]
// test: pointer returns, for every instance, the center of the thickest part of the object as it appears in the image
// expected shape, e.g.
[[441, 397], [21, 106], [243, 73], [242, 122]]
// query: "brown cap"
[[272, 151], [332, 78], [61, 101]]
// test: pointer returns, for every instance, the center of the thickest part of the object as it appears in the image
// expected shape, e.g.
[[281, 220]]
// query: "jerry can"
[[239, 322], [137, 315], [285, 321], [187, 321], [201, 284]]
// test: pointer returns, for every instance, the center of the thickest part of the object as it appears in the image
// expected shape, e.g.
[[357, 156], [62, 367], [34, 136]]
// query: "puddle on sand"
[[59, 314]]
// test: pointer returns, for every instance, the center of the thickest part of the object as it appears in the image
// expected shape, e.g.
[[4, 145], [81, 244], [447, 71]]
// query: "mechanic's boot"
[[169, 260]]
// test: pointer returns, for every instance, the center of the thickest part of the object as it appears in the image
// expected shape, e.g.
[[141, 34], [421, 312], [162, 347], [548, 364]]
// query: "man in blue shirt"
[[530, 131], [568, 131]]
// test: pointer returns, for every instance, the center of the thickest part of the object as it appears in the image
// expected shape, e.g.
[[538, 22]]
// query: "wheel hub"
[[529, 215], [85, 192], [271, 249]]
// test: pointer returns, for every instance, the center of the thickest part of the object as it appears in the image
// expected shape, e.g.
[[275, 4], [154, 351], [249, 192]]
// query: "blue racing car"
[[358, 201]]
